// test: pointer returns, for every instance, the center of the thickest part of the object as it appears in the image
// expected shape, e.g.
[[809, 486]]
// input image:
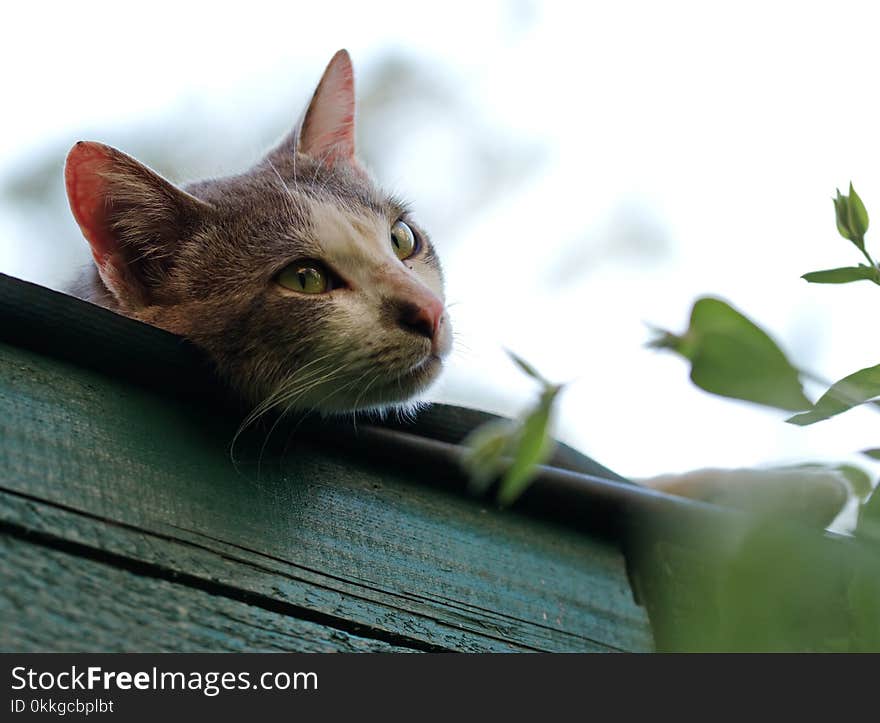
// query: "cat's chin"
[[422, 374], [401, 392], [397, 393]]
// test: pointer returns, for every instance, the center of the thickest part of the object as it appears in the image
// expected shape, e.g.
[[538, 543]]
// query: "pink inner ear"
[[329, 131], [87, 194]]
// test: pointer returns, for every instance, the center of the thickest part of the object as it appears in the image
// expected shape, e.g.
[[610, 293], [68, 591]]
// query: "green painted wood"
[[92, 461], [52, 600]]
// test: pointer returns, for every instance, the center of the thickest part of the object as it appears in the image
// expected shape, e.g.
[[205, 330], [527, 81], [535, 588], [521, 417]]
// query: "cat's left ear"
[[133, 219]]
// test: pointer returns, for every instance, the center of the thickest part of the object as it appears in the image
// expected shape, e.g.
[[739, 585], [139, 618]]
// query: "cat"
[[307, 285]]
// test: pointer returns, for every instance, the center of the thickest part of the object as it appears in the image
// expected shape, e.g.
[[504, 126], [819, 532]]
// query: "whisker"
[[296, 380], [294, 179], [288, 401], [362, 394], [290, 201], [315, 407]]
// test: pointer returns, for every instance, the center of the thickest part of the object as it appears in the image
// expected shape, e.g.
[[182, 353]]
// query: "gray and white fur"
[[203, 260]]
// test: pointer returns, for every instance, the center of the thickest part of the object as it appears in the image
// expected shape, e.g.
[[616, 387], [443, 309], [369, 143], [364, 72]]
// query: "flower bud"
[[857, 214], [851, 216], [841, 211]]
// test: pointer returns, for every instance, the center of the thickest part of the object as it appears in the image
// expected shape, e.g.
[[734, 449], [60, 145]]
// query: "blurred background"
[[585, 169]]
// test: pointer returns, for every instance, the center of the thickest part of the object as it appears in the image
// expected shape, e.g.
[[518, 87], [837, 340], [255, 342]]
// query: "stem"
[[866, 254], [861, 247]]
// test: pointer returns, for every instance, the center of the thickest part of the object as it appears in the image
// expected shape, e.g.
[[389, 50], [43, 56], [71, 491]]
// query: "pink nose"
[[422, 317]]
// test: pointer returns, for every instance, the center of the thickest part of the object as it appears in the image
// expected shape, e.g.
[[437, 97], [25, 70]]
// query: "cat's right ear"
[[326, 130], [132, 218]]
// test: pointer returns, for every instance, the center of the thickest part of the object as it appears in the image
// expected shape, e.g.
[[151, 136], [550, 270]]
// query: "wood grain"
[[123, 472], [55, 601]]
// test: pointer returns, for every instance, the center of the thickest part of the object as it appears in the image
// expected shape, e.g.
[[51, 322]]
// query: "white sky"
[[727, 126]]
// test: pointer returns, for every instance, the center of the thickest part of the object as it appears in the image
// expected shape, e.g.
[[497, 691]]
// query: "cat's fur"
[[201, 261]]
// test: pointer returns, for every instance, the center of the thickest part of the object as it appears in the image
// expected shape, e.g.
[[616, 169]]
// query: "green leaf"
[[857, 388], [486, 449], [512, 448], [841, 213], [527, 368], [732, 357], [869, 517], [843, 275], [872, 453], [857, 215], [533, 448], [859, 480]]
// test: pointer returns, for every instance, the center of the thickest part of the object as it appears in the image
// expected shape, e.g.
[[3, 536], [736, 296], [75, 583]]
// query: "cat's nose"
[[421, 318]]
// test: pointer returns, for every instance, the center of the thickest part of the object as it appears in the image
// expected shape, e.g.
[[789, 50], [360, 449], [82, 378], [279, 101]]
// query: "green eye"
[[403, 240], [304, 279]]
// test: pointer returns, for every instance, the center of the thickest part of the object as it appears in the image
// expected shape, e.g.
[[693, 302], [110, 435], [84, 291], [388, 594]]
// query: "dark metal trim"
[[573, 489]]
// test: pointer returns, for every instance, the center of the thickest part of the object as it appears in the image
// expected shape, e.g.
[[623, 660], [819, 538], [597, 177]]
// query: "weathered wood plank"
[[56, 601], [91, 459]]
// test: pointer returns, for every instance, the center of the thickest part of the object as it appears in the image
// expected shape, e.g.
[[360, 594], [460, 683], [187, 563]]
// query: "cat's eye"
[[304, 278], [403, 240]]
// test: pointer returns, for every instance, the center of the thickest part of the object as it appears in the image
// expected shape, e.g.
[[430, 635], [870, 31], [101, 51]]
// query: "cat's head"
[[308, 286]]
